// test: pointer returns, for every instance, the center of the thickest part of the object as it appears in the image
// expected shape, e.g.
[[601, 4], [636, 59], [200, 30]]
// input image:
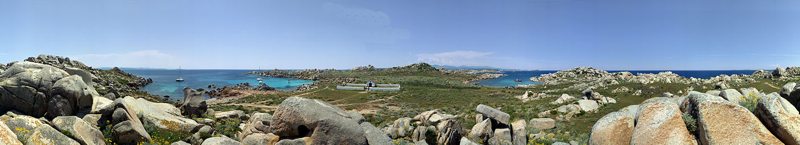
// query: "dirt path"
[[771, 85]]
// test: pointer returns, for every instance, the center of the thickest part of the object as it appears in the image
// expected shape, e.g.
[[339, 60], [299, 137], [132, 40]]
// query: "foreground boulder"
[[326, 124], [374, 135], [162, 115], [7, 137], [260, 139], [127, 127], [780, 117], [482, 131], [46, 135], [660, 122], [616, 128], [78, 129], [722, 122], [21, 125], [220, 141]]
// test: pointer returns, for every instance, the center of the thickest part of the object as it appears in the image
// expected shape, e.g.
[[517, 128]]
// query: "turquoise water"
[[510, 79], [524, 76], [164, 80]]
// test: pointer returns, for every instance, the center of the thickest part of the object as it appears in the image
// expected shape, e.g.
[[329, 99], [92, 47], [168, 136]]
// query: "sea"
[[510, 80], [164, 83]]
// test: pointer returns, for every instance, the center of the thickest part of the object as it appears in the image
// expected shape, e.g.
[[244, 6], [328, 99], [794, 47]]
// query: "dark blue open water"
[[164, 80], [524, 76]]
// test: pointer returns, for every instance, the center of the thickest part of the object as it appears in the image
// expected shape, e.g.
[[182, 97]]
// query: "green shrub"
[[691, 123], [749, 101], [228, 127], [162, 136]]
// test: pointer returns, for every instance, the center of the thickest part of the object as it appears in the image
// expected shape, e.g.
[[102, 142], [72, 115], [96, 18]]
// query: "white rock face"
[[731, 95], [780, 117], [588, 105], [660, 122], [563, 99], [163, 115]]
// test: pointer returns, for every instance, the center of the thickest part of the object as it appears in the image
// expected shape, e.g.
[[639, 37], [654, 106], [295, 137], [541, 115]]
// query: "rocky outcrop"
[[258, 123], [616, 128], [660, 122], [400, 128], [37, 89], [716, 126], [324, 123], [779, 72], [494, 132], [193, 103], [105, 81], [780, 117]]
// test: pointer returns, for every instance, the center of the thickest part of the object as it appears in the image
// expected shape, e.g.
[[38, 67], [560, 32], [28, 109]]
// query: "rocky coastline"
[[47, 100]]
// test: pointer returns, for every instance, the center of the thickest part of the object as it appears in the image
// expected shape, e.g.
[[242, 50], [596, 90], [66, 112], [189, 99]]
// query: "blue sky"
[[530, 34]]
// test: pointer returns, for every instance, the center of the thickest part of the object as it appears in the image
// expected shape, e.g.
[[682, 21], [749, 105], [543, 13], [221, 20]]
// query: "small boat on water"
[[517, 80], [259, 79], [179, 79]]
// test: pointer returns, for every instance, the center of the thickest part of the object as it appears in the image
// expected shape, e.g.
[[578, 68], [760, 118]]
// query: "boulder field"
[[706, 119]]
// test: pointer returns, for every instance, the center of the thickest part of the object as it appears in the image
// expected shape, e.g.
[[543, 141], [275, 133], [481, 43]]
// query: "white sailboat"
[[259, 79], [179, 79]]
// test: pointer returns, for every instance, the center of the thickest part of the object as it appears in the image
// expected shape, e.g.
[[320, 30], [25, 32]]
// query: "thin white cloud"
[[143, 59], [461, 57], [357, 15], [368, 25]]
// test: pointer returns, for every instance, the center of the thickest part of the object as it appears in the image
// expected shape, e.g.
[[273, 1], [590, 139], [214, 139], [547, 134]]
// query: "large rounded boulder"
[[780, 117], [722, 122], [38, 90], [659, 122], [616, 128], [326, 124], [25, 86]]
